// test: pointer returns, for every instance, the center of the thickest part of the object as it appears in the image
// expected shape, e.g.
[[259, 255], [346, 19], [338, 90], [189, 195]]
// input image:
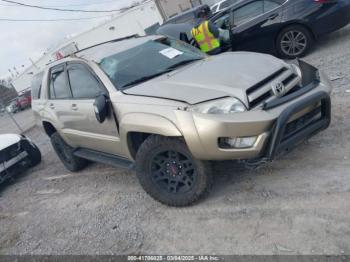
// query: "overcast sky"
[[21, 40]]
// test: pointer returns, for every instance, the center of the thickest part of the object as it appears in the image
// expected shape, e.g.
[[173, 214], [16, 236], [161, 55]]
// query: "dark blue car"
[[287, 28]]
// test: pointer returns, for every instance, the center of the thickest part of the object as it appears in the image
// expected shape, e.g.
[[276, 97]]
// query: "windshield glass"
[[148, 60]]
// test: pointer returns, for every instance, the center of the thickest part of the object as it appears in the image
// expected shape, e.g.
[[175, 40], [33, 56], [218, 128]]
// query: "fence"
[[13, 121]]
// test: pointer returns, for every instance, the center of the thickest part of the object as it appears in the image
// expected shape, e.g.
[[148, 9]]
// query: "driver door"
[[254, 25], [83, 127]]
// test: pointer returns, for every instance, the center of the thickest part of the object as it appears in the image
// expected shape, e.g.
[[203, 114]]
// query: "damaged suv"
[[167, 109]]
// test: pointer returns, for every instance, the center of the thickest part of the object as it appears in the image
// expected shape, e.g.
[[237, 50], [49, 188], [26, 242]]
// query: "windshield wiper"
[[145, 78], [182, 63]]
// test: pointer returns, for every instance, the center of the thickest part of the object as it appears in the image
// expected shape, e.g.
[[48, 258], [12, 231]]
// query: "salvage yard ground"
[[299, 204]]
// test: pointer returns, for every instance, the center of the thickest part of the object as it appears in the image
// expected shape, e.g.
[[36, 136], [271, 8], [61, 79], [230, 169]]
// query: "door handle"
[[74, 107], [52, 106], [273, 16]]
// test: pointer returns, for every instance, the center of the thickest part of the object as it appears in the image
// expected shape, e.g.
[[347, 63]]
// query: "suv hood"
[[228, 74]]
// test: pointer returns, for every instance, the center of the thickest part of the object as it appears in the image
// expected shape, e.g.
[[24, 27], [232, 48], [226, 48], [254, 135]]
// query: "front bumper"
[[278, 127], [13, 157]]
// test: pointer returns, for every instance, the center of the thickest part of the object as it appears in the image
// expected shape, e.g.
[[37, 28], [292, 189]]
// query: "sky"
[[20, 41]]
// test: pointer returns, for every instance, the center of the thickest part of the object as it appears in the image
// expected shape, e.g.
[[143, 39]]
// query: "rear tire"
[[170, 174], [294, 41], [65, 153]]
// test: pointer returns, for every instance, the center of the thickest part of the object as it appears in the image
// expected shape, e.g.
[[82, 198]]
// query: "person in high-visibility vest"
[[206, 33]]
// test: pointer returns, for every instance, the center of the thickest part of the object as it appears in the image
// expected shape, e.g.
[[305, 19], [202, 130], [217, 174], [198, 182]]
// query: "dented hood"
[[228, 74]]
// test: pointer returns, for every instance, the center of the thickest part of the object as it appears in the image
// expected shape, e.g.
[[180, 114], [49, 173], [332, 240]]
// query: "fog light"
[[237, 142]]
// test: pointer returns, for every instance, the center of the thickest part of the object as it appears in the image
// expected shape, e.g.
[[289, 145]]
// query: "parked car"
[[13, 107], [284, 28], [24, 101], [171, 116], [16, 152], [221, 5]]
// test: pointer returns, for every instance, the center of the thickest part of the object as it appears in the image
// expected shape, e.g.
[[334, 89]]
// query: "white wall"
[[172, 7], [133, 21]]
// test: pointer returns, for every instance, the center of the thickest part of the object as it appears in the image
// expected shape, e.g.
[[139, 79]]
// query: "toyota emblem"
[[278, 89]]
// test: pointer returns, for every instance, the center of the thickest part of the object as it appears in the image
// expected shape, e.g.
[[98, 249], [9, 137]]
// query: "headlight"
[[228, 105]]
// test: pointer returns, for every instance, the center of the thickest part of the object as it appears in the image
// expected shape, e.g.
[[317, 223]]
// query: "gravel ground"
[[296, 205], [25, 120]]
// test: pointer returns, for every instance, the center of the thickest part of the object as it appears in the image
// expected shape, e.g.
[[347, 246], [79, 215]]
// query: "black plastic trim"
[[104, 158], [277, 145], [292, 96], [266, 80]]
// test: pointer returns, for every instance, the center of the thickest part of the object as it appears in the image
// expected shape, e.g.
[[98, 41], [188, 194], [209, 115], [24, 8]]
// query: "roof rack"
[[109, 41], [87, 48]]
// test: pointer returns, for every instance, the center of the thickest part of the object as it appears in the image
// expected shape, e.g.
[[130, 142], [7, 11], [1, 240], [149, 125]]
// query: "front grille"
[[262, 91]]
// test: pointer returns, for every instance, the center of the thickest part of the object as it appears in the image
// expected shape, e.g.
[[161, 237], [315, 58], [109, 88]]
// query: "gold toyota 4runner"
[[167, 109]]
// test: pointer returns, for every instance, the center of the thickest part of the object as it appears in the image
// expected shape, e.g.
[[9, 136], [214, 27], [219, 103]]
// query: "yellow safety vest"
[[205, 39]]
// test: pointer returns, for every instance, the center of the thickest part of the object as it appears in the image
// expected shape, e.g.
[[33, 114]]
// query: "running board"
[[104, 158]]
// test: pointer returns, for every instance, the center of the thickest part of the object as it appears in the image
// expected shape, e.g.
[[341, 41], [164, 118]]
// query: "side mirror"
[[101, 108]]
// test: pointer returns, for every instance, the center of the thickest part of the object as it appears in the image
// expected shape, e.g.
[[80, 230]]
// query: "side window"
[[214, 8], [270, 5], [36, 85], [59, 88], [248, 12], [227, 3], [222, 21], [83, 83]]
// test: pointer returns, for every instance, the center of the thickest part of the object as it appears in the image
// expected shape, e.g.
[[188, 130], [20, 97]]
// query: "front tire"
[[294, 41], [65, 153], [170, 174]]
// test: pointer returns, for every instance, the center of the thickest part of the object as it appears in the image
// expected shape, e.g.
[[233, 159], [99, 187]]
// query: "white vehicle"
[[222, 5], [16, 152]]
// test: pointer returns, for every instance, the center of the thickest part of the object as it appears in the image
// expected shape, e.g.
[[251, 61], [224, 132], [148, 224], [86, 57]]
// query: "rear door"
[[58, 100], [255, 25], [84, 128]]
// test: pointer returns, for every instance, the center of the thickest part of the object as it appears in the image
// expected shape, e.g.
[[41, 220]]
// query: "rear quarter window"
[[36, 85]]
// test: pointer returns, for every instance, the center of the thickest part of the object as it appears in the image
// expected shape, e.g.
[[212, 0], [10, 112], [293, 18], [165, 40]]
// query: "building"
[[171, 8], [142, 19]]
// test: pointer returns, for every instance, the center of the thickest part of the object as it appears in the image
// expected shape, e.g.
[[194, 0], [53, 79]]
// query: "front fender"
[[146, 123]]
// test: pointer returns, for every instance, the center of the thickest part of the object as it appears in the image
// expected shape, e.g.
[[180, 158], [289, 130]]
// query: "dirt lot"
[[299, 204]]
